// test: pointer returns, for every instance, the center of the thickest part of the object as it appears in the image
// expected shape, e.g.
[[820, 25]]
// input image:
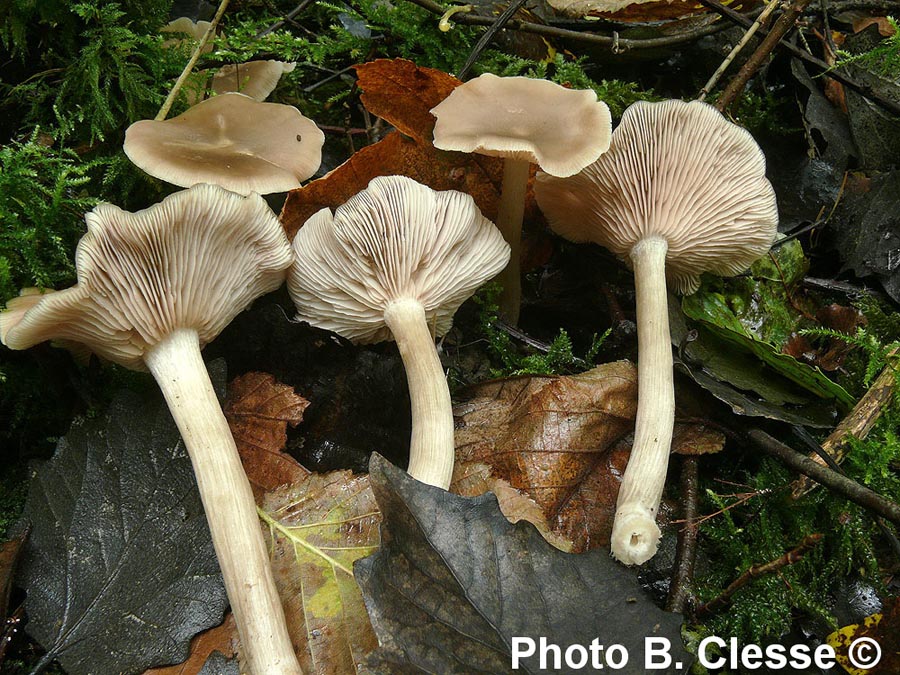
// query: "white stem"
[[509, 221], [635, 534], [228, 501], [431, 449]]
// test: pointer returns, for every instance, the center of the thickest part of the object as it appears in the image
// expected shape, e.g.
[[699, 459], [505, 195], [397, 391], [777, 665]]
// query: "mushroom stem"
[[431, 449], [179, 370], [635, 534], [509, 221]]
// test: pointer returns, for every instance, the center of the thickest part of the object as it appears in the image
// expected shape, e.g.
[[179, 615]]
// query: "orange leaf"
[[403, 94], [397, 155], [258, 410], [223, 638]]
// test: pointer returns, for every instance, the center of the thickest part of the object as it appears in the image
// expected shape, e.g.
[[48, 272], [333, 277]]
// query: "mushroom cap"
[[195, 261], [195, 31], [562, 130], [679, 171], [256, 79], [396, 240], [229, 140]]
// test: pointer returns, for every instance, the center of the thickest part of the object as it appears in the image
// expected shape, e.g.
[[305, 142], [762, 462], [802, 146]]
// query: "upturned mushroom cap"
[[195, 260], [256, 79], [195, 31], [562, 130], [395, 240], [229, 140], [677, 170]]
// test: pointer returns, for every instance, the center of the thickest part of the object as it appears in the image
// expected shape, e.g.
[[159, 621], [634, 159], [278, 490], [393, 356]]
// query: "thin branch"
[[287, 18], [847, 487], [755, 571], [686, 549], [807, 58], [781, 27], [489, 34], [170, 99], [622, 44], [760, 20]]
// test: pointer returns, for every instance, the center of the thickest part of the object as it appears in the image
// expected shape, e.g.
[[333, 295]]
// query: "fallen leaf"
[[222, 640], [258, 410], [884, 26], [317, 529], [562, 441], [119, 570], [454, 582], [10, 554], [403, 94], [397, 155], [855, 644]]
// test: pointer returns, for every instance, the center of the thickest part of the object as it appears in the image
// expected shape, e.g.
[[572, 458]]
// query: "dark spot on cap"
[[299, 138]]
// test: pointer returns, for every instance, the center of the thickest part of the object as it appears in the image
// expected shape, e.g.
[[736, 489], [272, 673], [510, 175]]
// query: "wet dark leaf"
[[454, 582], [119, 570]]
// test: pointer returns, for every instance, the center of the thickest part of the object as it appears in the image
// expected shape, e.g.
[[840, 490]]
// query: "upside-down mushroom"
[[525, 121], [396, 261], [681, 191], [153, 288]]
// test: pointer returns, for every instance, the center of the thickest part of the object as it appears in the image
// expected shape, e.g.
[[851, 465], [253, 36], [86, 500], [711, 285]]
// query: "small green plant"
[[878, 354], [558, 359], [883, 59]]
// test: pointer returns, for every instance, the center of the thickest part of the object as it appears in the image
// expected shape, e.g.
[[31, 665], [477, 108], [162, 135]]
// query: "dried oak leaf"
[[397, 155], [258, 409], [563, 441], [403, 94], [222, 639], [317, 529]]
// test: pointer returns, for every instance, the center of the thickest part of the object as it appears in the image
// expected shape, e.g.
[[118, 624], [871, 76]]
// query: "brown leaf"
[[562, 441], [397, 155], [10, 552], [258, 409], [884, 26], [831, 354], [318, 527], [882, 629], [222, 638], [403, 94]]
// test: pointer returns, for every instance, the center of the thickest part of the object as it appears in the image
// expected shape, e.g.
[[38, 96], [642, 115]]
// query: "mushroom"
[[153, 288], [396, 261], [194, 31], [256, 79], [229, 140], [524, 121], [680, 192]]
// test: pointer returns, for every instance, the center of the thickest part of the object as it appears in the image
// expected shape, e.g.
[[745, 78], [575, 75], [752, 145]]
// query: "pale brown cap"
[[195, 260], [229, 140], [395, 240], [562, 130], [195, 31], [256, 79], [677, 170]]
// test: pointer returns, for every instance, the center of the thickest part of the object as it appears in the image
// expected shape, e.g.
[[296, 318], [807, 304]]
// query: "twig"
[[856, 425], [686, 549], [489, 34], [287, 18], [592, 38], [760, 20], [170, 99], [807, 58], [755, 571], [782, 25], [847, 487]]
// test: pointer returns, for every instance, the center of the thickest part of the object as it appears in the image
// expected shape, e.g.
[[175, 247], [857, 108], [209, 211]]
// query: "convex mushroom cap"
[[229, 140], [256, 79], [194, 30], [524, 121], [562, 130], [195, 261], [679, 171], [395, 262], [396, 240], [680, 192]]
